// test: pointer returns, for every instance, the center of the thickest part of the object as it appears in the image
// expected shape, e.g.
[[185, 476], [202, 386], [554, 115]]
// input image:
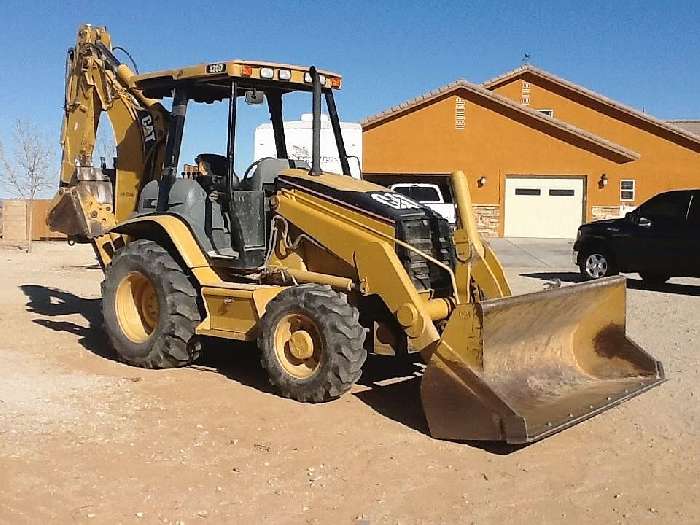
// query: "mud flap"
[[521, 368]]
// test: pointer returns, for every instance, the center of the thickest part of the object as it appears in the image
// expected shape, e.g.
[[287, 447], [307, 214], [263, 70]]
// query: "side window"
[[667, 207]]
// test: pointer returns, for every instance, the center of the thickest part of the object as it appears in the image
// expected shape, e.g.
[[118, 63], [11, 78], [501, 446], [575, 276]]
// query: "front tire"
[[150, 307], [312, 343], [595, 264]]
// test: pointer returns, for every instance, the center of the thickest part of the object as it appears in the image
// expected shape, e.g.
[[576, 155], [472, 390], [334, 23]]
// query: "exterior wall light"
[[603, 181], [481, 181]]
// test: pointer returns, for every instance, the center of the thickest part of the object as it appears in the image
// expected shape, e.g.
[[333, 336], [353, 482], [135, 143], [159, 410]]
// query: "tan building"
[[542, 154]]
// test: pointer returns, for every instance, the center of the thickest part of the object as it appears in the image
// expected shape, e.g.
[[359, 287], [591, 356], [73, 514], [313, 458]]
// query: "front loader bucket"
[[521, 368]]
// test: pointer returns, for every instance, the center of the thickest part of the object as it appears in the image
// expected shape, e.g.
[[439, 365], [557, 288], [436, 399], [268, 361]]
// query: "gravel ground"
[[86, 439]]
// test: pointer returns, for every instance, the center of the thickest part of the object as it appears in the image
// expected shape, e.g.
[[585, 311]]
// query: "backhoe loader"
[[319, 268]]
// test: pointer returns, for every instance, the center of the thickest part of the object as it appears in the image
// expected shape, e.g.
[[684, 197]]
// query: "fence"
[[13, 221]]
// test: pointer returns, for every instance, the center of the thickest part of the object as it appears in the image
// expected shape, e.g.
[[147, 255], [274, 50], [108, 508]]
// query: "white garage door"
[[546, 207]]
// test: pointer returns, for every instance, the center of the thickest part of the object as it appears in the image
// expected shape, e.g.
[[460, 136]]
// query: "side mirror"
[[631, 217], [644, 222], [254, 97]]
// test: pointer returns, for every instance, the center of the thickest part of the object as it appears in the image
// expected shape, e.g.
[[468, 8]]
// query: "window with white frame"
[[548, 112], [627, 190]]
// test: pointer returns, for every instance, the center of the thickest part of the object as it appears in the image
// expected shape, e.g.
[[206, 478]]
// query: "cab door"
[[660, 240]]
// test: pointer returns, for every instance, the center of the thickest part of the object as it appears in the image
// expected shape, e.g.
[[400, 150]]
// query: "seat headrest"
[[216, 164]]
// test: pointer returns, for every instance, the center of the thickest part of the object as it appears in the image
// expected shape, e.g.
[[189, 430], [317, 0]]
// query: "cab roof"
[[210, 82]]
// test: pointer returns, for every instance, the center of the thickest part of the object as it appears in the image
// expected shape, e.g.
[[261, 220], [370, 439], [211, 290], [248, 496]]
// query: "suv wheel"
[[595, 264]]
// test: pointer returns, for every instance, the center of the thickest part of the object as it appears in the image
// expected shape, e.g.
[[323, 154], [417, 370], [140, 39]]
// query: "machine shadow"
[[241, 363], [235, 360], [391, 385], [393, 389], [50, 302]]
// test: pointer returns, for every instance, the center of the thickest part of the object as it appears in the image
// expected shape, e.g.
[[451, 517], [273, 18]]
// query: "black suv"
[[658, 240]]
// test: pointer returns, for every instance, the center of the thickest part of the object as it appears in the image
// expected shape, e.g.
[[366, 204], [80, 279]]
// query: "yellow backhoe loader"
[[319, 268]]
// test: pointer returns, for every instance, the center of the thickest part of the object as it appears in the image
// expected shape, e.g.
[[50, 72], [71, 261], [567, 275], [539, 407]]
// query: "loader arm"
[[90, 200], [476, 261]]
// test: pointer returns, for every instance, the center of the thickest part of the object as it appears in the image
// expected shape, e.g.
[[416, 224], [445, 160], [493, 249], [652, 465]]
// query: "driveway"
[[518, 252], [87, 439]]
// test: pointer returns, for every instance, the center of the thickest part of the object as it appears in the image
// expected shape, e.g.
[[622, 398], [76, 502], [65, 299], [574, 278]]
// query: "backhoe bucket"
[[521, 368]]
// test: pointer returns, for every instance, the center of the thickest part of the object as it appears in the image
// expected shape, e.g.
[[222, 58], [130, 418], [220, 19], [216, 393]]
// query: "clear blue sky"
[[645, 54]]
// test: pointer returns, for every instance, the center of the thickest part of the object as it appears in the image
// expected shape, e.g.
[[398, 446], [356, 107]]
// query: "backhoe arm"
[[91, 199]]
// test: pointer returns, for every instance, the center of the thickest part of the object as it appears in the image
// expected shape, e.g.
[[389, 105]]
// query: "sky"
[[644, 54]]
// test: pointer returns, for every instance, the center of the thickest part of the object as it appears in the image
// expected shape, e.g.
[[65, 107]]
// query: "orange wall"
[[663, 165], [495, 142]]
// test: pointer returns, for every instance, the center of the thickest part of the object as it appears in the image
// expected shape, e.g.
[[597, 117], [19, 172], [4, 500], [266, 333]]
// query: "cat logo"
[[149, 132], [395, 200]]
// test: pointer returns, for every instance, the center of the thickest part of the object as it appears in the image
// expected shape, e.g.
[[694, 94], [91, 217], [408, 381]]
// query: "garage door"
[[546, 207]]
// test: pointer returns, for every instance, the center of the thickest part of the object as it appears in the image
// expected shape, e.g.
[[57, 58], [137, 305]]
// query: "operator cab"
[[230, 215]]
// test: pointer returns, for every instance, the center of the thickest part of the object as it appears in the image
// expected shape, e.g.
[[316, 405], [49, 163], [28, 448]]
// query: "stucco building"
[[542, 154]]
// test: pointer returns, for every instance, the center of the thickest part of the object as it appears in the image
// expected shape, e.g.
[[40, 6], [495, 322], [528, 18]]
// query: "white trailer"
[[298, 137]]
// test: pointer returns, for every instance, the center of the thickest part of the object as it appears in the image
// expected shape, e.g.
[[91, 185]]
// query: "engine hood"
[[602, 226], [365, 196]]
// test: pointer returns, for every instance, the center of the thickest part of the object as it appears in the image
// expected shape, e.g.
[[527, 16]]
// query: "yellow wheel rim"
[[137, 306], [298, 345]]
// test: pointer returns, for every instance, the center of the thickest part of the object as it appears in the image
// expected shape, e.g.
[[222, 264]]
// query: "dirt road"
[[86, 439]]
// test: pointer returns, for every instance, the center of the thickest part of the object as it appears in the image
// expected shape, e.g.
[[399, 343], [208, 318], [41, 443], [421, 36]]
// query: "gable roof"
[[691, 126], [550, 122], [591, 95]]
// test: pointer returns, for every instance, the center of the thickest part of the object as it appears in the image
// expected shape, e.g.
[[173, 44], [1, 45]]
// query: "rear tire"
[[654, 279], [150, 307], [595, 264], [312, 343]]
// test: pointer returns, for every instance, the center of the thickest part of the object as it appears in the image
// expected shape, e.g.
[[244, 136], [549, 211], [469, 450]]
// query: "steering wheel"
[[253, 166]]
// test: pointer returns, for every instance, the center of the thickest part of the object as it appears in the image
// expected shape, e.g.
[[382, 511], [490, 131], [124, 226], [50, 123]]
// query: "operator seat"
[[215, 167], [266, 171]]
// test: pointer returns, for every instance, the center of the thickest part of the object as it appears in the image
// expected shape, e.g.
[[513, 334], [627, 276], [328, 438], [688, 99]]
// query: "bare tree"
[[26, 168]]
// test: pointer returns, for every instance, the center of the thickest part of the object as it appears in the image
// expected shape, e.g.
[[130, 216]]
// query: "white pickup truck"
[[428, 194]]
